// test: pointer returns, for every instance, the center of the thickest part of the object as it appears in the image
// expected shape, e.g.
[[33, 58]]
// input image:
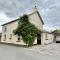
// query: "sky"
[[48, 9]]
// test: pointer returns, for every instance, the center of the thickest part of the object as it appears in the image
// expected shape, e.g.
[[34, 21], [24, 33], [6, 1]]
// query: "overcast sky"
[[49, 10]]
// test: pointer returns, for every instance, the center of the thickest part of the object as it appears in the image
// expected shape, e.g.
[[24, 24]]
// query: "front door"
[[38, 38]]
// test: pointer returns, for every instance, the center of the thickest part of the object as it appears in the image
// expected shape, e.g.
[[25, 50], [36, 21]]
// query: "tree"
[[27, 30]]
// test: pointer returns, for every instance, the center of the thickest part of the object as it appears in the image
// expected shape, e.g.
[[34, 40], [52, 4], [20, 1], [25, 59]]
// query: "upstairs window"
[[5, 28]]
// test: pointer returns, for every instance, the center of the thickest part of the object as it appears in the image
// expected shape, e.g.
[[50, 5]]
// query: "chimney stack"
[[35, 9]]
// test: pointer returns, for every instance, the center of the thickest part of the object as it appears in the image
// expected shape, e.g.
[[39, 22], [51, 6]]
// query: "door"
[[57, 39], [38, 38]]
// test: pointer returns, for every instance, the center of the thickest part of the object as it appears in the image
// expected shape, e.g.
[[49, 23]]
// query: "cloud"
[[49, 10], [3, 19], [51, 14]]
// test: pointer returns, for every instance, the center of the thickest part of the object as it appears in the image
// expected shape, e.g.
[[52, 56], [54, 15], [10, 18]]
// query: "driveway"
[[34, 53], [50, 49]]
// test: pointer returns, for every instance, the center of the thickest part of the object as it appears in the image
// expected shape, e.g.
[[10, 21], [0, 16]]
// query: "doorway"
[[39, 39]]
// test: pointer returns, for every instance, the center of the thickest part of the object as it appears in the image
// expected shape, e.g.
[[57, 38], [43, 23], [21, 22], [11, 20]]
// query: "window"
[[46, 36], [10, 36], [5, 37], [18, 39], [5, 28]]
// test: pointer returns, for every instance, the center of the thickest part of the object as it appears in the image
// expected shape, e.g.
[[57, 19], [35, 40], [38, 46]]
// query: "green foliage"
[[27, 30], [56, 31]]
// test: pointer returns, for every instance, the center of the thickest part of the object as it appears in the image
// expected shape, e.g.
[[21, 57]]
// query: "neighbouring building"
[[56, 35], [47, 37], [7, 29]]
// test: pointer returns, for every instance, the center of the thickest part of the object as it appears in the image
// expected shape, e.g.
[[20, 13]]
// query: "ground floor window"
[[10, 36], [18, 40], [5, 37], [46, 36]]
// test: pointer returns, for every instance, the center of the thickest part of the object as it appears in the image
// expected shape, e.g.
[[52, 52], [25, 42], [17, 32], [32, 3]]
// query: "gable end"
[[40, 17]]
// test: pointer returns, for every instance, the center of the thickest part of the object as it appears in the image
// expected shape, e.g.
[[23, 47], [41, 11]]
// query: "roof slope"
[[28, 15], [56, 31]]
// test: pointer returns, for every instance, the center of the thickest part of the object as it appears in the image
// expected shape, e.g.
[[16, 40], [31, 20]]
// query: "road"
[[19, 53]]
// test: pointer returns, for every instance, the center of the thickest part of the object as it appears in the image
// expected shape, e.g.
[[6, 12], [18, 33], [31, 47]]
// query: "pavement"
[[45, 52]]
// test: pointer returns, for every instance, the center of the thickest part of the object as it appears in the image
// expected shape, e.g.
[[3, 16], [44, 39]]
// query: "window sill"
[[46, 39], [4, 40], [17, 41]]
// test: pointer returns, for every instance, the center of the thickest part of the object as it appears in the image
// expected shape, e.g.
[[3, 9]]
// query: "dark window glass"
[[18, 39], [46, 36], [5, 28], [10, 36], [4, 37]]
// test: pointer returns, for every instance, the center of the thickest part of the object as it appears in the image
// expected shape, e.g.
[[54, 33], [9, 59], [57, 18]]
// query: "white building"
[[56, 35], [34, 18], [47, 37], [7, 28]]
